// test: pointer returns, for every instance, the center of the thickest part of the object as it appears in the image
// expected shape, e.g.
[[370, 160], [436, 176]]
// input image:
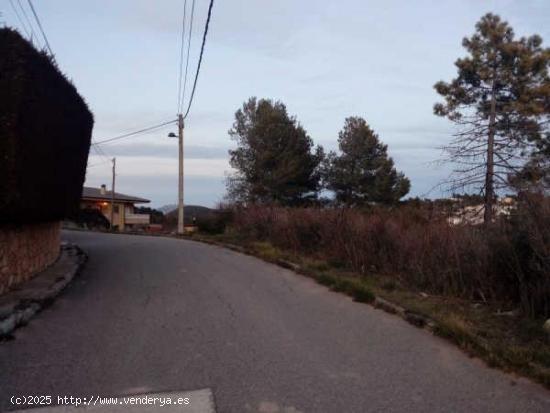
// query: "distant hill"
[[198, 210], [167, 208], [189, 211]]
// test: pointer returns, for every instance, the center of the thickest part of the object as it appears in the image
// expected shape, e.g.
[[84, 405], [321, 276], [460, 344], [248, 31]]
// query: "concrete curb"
[[416, 319], [18, 306]]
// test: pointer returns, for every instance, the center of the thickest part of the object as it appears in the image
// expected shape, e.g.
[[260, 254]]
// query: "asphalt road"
[[155, 314]]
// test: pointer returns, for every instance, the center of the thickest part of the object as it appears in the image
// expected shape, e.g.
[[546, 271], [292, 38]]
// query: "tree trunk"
[[490, 171]]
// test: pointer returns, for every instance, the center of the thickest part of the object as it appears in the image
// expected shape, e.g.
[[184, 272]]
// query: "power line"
[[188, 50], [41, 29], [101, 153], [181, 54], [200, 57], [99, 150], [31, 26], [126, 135], [104, 158], [23, 26], [103, 162]]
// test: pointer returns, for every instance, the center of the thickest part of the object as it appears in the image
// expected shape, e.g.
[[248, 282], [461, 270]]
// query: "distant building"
[[124, 217]]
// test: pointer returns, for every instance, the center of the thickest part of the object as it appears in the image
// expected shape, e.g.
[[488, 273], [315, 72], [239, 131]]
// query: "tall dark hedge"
[[45, 134]]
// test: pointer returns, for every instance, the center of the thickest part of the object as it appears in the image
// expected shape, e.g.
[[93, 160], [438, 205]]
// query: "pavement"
[[18, 306], [150, 315]]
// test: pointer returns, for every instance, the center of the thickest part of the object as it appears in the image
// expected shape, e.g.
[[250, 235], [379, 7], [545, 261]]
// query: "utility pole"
[[113, 195], [181, 227]]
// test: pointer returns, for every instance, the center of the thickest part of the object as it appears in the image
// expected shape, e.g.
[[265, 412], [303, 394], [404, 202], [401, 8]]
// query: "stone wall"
[[25, 250]]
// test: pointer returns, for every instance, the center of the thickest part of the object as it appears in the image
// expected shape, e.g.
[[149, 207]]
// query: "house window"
[[115, 209]]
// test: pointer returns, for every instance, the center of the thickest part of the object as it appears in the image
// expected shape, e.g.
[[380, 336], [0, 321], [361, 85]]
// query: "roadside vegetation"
[[487, 291], [419, 250], [340, 218]]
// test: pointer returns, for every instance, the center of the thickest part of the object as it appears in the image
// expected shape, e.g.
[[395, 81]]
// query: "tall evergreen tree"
[[275, 160], [501, 102], [363, 172], [535, 175]]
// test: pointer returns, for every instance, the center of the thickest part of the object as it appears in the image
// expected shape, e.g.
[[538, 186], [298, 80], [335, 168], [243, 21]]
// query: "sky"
[[326, 60]]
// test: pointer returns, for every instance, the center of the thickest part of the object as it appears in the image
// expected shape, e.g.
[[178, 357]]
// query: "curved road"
[[152, 314]]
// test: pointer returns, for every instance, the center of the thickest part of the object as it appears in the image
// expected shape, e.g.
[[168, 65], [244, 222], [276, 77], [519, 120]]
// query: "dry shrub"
[[507, 263], [529, 233]]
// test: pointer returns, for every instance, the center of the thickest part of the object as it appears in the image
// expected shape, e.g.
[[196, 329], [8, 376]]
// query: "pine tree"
[[363, 173], [500, 101], [275, 160], [535, 175]]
